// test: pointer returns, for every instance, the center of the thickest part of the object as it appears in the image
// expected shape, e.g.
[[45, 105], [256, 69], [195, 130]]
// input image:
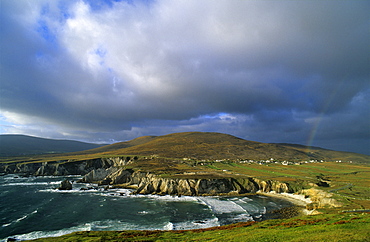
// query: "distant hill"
[[188, 145], [210, 145], [117, 147], [329, 154], [18, 145]]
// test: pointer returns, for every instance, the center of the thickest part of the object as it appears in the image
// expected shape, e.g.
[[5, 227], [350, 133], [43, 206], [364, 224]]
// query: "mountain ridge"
[[195, 145], [213, 145], [19, 144]]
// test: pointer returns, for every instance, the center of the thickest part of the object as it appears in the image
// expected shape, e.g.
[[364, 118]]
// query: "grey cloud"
[[133, 69]]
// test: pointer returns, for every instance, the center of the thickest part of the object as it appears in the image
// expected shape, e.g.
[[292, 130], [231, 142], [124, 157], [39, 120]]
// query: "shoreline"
[[299, 202]]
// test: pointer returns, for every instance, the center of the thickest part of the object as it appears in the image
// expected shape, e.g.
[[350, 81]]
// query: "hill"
[[336, 227], [17, 145], [185, 146], [117, 146], [215, 146], [219, 163], [329, 154]]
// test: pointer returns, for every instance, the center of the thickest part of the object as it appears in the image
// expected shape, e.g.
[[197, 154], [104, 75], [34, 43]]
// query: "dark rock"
[[323, 184], [65, 185]]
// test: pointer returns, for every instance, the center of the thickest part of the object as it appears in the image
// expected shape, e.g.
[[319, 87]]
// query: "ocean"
[[33, 207]]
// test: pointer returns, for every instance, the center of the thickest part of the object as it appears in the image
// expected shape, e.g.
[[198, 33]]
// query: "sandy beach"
[[296, 199]]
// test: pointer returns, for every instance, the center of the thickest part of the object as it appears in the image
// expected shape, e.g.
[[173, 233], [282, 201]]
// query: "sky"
[[106, 71]]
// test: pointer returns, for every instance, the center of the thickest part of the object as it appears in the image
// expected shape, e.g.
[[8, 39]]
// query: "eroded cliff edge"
[[148, 183], [114, 172]]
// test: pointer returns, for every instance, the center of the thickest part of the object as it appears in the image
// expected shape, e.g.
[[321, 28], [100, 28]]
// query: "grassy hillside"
[[331, 228], [113, 148], [213, 146], [215, 155], [190, 145], [17, 145], [329, 154]]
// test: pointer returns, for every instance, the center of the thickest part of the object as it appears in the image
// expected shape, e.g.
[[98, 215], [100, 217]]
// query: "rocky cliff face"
[[64, 167], [110, 171], [148, 183], [320, 199]]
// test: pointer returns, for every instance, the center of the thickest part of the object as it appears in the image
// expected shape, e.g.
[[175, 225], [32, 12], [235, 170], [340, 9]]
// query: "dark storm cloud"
[[272, 71]]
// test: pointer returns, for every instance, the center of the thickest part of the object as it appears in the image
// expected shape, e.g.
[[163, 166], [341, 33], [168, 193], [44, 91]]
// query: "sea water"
[[33, 207]]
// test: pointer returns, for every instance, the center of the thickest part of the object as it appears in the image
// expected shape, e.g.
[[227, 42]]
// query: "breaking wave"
[[38, 209]]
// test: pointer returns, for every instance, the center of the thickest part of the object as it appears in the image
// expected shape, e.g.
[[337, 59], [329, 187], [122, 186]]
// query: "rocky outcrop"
[[320, 199], [111, 171], [65, 185], [97, 174], [64, 167], [148, 183]]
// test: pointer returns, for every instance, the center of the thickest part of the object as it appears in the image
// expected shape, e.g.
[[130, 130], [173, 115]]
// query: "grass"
[[213, 146], [333, 227], [349, 182], [164, 156]]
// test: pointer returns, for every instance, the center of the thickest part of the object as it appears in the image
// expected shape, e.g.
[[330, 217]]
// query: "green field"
[[211, 155], [330, 228]]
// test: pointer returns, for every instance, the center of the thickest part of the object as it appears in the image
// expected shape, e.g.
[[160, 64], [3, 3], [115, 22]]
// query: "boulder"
[[65, 185]]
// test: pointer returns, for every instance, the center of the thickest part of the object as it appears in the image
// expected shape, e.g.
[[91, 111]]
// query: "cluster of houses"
[[263, 162], [285, 163]]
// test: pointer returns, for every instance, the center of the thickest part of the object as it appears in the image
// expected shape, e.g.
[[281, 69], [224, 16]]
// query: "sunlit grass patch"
[[326, 227]]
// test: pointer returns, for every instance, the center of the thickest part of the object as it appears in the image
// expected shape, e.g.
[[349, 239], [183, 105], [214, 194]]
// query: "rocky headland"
[[149, 183], [113, 172]]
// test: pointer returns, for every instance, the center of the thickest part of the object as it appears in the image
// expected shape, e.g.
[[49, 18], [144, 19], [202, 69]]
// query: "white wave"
[[197, 224], [74, 190], [222, 206], [143, 212], [44, 234], [121, 191], [264, 210], [33, 183], [12, 177], [27, 184], [118, 192], [251, 208], [263, 197], [60, 177], [19, 219], [75, 176], [243, 218], [272, 204], [117, 225], [169, 198], [92, 226], [168, 226], [246, 199]]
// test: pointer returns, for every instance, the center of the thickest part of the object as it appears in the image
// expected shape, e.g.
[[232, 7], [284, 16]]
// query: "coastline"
[[299, 204], [298, 200]]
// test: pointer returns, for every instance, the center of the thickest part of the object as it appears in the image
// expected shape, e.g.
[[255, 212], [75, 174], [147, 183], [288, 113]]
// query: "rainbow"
[[323, 111]]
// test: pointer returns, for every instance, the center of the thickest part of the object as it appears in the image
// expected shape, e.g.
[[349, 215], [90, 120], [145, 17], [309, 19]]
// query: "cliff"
[[148, 183], [112, 171], [63, 167]]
